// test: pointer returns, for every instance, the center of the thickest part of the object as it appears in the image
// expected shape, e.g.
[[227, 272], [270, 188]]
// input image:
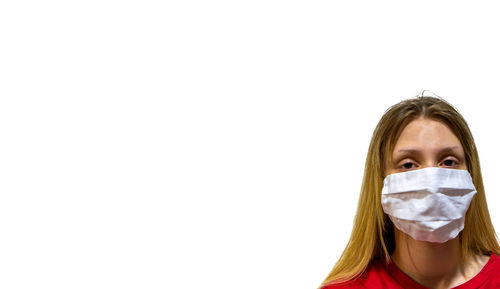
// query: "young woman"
[[422, 218]]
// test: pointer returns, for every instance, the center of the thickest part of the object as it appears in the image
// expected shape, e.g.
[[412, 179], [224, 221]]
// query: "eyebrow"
[[443, 150]]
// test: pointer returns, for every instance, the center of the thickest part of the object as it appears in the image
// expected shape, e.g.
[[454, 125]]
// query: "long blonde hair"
[[373, 232]]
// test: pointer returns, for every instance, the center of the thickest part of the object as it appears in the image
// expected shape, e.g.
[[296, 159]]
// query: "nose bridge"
[[430, 165], [430, 159]]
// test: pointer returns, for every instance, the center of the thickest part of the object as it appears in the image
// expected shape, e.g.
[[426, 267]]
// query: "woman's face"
[[426, 143]]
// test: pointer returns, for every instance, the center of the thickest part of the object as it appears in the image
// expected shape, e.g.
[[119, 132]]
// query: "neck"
[[435, 265]]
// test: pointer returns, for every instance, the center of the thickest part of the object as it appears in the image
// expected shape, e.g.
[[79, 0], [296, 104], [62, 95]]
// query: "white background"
[[214, 144]]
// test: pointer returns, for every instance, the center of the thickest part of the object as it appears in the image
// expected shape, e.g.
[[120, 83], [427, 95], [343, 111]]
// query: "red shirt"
[[378, 275]]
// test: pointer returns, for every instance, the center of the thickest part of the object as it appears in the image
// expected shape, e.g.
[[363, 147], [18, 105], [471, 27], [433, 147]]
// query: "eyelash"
[[455, 163]]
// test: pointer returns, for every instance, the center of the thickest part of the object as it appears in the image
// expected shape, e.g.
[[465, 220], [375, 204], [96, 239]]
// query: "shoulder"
[[495, 258], [493, 267], [488, 277], [492, 264]]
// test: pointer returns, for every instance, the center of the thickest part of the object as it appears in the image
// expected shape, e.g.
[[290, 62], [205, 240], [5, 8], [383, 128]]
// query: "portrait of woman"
[[422, 219]]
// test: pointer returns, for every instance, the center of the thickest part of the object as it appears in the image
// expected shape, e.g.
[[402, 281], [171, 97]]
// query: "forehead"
[[426, 134]]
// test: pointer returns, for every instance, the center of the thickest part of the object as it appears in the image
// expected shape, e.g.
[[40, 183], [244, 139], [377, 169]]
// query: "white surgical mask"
[[428, 204]]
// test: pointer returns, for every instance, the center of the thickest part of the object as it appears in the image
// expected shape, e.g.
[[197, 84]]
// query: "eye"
[[450, 162], [408, 165]]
